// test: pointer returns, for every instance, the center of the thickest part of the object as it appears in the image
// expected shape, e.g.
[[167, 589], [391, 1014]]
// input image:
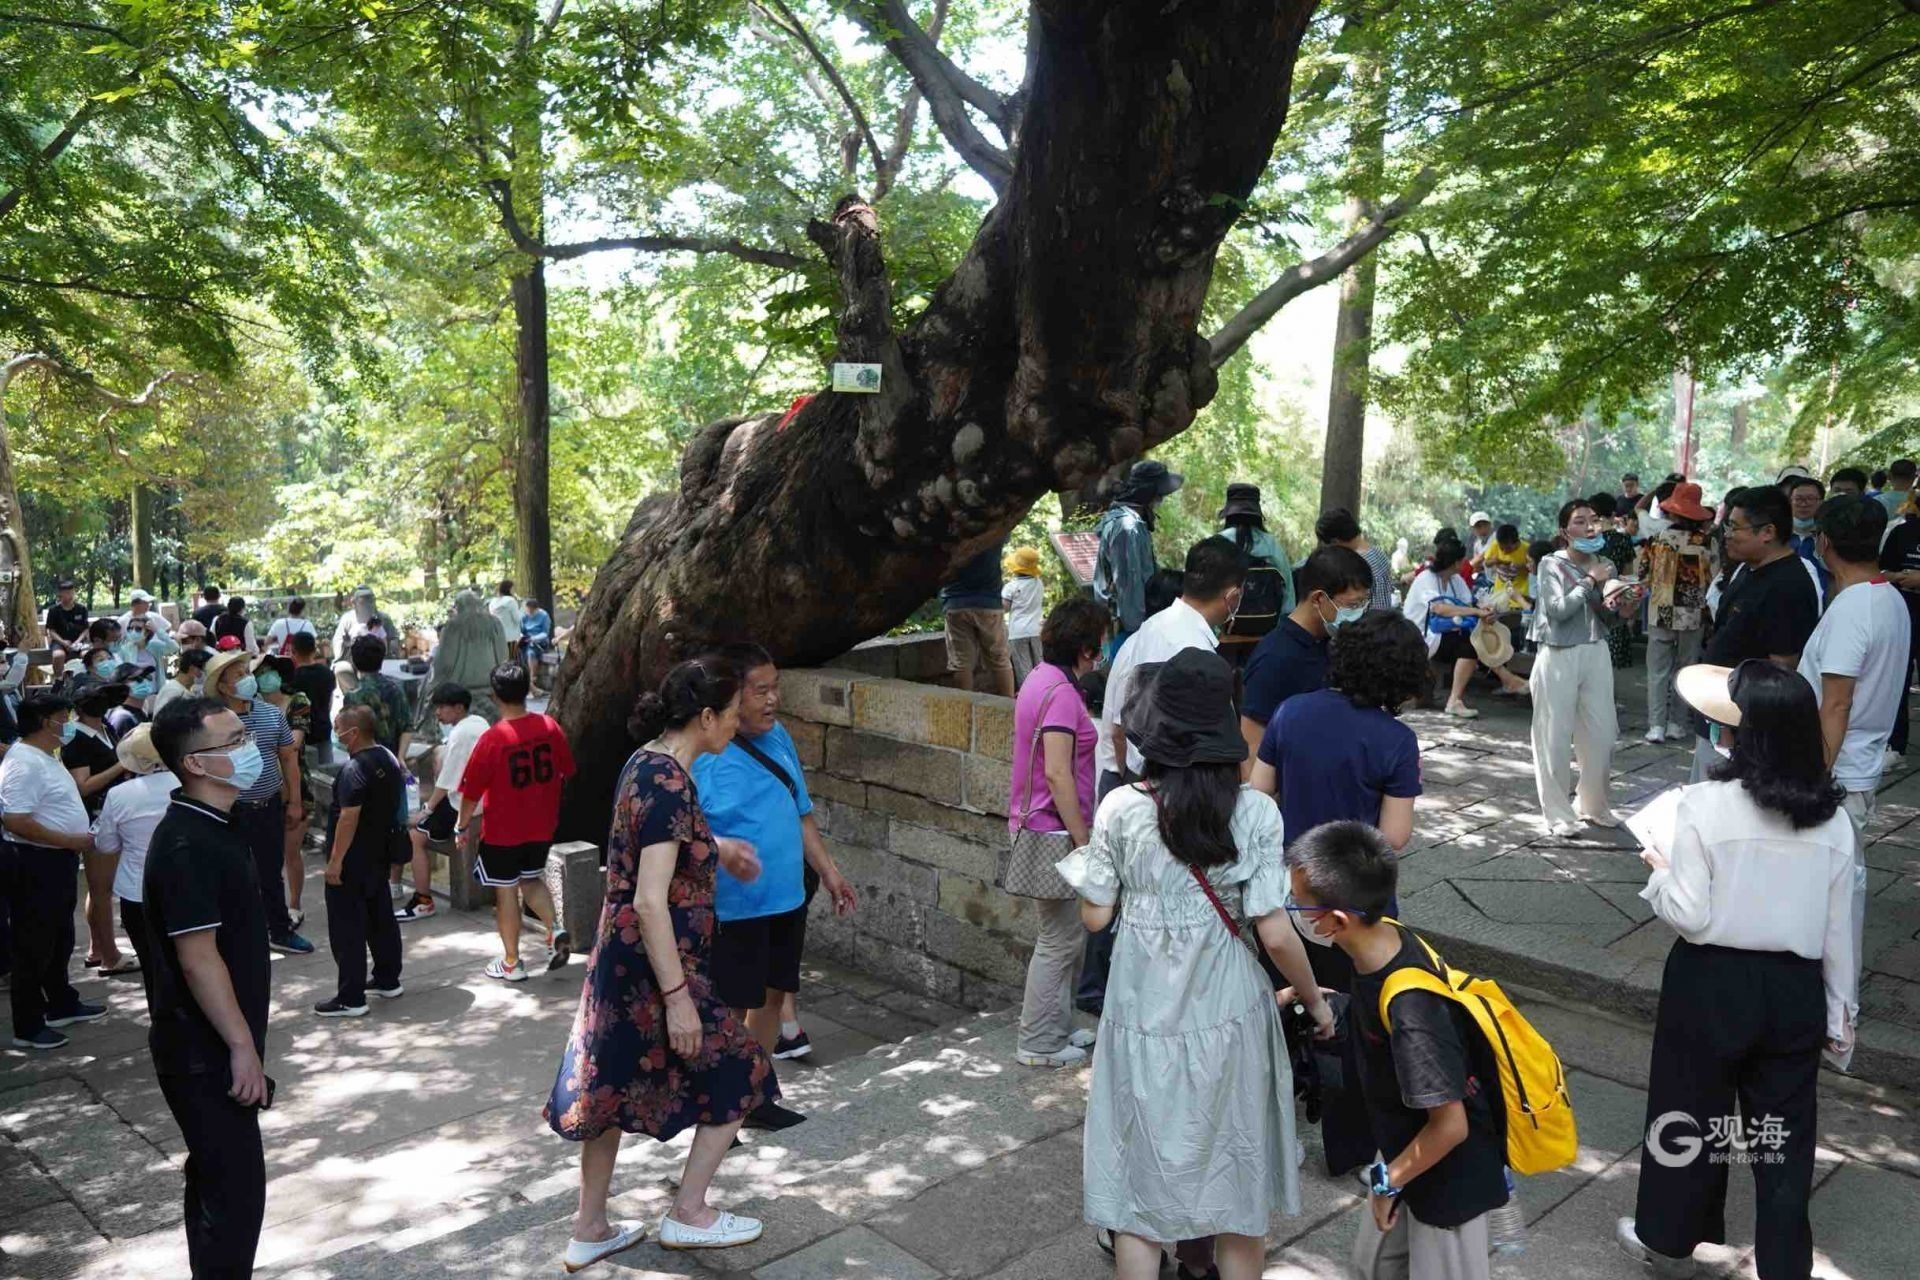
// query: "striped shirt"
[[268, 725]]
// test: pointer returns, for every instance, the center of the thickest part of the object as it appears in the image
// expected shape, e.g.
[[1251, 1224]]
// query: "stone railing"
[[909, 783]]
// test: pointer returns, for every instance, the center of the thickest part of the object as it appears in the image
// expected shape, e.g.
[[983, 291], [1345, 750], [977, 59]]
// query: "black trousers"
[[264, 828], [360, 919], [1898, 742], [1740, 1027], [133, 919], [43, 886], [226, 1174], [1090, 995]]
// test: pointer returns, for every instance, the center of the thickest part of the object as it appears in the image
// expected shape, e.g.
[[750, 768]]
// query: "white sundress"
[[1189, 1127]]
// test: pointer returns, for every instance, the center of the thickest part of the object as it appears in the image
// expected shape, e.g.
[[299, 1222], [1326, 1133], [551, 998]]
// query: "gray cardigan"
[[1568, 607]]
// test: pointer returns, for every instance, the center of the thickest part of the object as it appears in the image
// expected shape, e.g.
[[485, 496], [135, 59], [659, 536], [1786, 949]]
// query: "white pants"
[[1860, 807], [1412, 1250], [1668, 651], [1573, 713]]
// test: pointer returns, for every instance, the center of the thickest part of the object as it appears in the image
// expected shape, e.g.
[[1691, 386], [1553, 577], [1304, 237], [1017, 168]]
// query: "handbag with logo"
[[1026, 867]]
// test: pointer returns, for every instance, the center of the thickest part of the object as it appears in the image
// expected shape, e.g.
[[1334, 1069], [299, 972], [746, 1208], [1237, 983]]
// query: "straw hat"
[[136, 750], [1493, 642], [1709, 690], [220, 664], [1023, 562]]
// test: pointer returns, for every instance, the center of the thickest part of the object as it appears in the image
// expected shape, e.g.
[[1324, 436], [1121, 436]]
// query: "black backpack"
[[1262, 592]]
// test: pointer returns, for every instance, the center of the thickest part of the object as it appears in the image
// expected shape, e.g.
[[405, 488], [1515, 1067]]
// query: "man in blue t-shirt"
[[755, 791], [1336, 586]]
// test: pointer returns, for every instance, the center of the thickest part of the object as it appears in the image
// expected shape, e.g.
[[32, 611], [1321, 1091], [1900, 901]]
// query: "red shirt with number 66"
[[516, 773]]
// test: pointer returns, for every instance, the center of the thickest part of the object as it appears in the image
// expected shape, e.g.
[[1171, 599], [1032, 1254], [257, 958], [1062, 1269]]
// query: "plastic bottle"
[[1507, 1225]]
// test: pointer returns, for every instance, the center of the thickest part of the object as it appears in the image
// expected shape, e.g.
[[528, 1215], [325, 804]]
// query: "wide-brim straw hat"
[[1709, 690], [217, 668], [136, 750], [1023, 561], [1493, 642]]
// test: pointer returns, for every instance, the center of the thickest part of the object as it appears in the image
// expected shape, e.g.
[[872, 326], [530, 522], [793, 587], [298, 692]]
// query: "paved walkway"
[[1484, 874]]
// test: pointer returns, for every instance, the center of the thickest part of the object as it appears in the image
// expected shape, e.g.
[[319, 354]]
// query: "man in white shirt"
[[1210, 588], [1856, 662], [46, 830], [125, 827], [505, 608], [439, 811], [280, 635]]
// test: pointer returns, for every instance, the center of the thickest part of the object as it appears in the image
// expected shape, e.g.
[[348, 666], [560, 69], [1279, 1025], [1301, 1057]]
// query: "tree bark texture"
[[21, 625], [1066, 343], [140, 513], [1345, 454], [532, 523]]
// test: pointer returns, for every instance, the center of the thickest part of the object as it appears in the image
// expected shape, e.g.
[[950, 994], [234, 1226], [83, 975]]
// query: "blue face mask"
[[247, 764], [1342, 615], [245, 687], [143, 688], [1806, 526], [269, 683], [68, 730], [1590, 544]]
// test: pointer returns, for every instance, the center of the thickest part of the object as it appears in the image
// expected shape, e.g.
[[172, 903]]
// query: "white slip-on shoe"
[[1657, 734], [1608, 820], [1070, 1056], [1461, 711], [1082, 1039], [1627, 1237], [584, 1253], [1565, 828], [728, 1230]]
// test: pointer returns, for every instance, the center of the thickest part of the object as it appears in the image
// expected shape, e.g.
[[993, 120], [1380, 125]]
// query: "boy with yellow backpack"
[[1458, 1086]]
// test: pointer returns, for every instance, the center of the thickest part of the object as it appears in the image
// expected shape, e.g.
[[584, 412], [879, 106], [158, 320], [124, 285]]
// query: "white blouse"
[[1742, 876]]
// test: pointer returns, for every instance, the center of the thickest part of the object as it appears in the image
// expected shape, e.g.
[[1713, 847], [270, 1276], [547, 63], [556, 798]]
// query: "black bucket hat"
[[1242, 500], [1181, 711]]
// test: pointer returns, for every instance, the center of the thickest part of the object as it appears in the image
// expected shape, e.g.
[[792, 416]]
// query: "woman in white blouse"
[[1754, 869]]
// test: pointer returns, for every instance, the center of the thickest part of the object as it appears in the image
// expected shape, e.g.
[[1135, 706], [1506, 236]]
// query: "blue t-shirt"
[[1289, 660], [1335, 761], [743, 799], [976, 584]]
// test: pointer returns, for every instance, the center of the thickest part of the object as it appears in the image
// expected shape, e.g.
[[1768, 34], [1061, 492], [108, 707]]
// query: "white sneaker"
[[1891, 760], [503, 972], [1566, 828], [1656, 734], [727, 1231], [584, 1253], [1461, 711], [396, 892], [1627, 1236], [1608, 820], [1679, 733], [1081, 1039], [1071, 1056]]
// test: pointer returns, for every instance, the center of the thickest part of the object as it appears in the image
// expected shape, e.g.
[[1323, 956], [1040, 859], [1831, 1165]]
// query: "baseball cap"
[[140, 596], [1479, 517]]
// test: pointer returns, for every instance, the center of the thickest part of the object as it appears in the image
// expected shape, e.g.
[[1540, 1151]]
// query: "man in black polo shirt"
[[66, 616], [207, 991], [361, 832], [1770, 606], [1336, 585]]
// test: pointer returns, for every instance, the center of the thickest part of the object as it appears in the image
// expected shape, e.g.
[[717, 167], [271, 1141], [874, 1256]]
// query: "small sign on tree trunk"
[[861, 379]]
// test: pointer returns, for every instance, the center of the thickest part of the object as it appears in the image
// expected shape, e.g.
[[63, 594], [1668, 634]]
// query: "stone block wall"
[[909, 783]]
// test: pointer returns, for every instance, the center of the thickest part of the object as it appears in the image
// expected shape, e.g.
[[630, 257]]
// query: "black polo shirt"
[[200, 876], [1764, 611], [1288, 660], [208, 614], [370, 781], [68, 624], [1435, 1055], [89, 753]]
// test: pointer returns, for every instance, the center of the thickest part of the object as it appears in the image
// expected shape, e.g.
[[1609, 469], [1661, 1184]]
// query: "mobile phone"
[[267, 1105]]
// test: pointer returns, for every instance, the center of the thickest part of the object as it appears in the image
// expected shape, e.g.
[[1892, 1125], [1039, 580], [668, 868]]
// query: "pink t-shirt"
[[1065, 711]]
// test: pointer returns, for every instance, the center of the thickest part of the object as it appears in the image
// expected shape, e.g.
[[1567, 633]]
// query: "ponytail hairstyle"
[[701, 684]]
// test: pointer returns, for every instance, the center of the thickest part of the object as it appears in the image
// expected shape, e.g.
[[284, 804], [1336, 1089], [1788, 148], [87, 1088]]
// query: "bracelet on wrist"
[[675, 991]]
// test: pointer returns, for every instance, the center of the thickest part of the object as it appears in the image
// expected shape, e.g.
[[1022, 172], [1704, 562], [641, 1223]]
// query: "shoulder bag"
[[1026, 866]]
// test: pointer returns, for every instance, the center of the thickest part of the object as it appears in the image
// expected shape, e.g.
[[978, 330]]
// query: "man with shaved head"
[[362, 833]]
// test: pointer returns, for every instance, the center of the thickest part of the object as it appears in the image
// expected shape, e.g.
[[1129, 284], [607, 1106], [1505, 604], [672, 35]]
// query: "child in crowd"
[[1429, 1082]]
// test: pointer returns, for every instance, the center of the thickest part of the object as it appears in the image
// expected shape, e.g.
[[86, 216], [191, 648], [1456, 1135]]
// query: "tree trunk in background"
[[532, 521], [430, 555], [1345, 457], [140, 515], [1065, 343], [1739, 426], [21, 619]]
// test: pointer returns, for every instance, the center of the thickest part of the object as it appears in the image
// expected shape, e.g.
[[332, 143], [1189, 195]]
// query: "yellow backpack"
[[1540, 1131]]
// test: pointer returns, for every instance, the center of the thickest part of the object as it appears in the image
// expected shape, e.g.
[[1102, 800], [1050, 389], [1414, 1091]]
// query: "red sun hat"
[[1686, 503]]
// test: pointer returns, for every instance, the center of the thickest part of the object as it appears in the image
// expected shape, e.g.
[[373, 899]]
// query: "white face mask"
[[1303, 927]]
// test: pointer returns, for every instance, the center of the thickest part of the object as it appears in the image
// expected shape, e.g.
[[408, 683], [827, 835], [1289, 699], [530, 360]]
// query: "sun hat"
[[1151, 479], [1022, 561], [1709, 690], [217, 668], [136, 750], [1181, 711], [1242, 500], [1685, 503], [1493, 642]]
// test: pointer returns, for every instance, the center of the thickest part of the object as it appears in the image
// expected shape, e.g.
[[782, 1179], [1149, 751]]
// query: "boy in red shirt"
[[515, 776]]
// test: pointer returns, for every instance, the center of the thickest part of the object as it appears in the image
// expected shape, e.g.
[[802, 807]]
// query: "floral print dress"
[[618, 1069]]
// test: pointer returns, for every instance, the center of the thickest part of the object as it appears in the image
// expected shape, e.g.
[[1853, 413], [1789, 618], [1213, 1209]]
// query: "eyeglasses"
[[235, 745]]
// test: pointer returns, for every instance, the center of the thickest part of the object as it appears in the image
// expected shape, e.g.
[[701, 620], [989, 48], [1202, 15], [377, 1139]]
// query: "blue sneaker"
[[41, 1039], [81, 1013], [291, 944]]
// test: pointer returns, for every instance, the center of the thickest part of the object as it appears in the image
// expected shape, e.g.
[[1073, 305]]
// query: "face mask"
[[245, 687], [1803, 527], [1590, 544], [1303, 927], [247, 764], [1713, 736], [68, 730], [269, 683], [143, 688]]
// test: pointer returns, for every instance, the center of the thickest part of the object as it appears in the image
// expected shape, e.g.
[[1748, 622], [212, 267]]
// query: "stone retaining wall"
[[909, 783]]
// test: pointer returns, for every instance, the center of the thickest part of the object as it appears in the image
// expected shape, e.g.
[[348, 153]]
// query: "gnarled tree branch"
[[949, 91], [1314, 272], [500, 191], [908, 119]]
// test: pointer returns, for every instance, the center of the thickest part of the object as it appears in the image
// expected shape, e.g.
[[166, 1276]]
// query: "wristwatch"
[[1378, 1183]]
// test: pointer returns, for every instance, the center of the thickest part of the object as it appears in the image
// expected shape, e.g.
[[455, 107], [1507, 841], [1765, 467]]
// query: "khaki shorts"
[[977, 636]]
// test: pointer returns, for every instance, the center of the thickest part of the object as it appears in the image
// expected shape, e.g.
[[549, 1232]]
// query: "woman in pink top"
[[1050, 808]]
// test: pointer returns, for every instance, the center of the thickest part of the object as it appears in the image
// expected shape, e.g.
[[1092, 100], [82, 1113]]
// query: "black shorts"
[[506, 865], [440, 820], [752, 956], [1455, 645]]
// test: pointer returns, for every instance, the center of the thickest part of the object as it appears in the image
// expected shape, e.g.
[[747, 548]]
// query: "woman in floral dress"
[[652, 1050]]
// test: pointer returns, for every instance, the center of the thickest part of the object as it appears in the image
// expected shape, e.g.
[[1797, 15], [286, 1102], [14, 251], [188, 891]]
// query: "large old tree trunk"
[[1345, 456], [1065, 343]]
